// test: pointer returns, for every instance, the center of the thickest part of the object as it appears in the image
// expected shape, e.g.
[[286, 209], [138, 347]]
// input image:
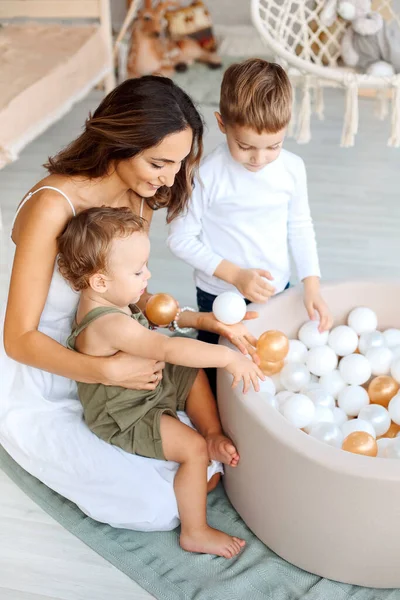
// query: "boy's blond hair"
[[85, 244], [256, 94]]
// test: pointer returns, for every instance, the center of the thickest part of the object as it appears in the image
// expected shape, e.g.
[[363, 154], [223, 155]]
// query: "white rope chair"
[[310, 52]]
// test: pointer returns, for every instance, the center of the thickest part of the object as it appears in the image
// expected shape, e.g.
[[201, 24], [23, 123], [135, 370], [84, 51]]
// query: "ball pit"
[[330, 512]]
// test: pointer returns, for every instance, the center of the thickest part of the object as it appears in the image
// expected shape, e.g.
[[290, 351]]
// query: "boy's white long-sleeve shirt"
[[247, 218]]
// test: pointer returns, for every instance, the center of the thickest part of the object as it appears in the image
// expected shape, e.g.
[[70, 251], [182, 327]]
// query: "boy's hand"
[[314, 303], [244, 369], [253, 285], [238, 334]]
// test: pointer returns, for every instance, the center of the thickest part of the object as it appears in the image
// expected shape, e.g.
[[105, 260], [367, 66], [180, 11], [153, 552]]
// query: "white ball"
[[370, 339], [276, 379], [321, 360], [352, 399], [394, 408], [357, 425], [396, 352], [395, 370], [299, 410], [362, 319], [267, 385], [313, 385], [378, 416], [310, 336], [333, 383], [343, 340], [329, 433], [294, 376], [393, 449], [380, 359], [269, 399], [382, 445], [229, 308], [392, 337], [297, 352], [320, 397], [339, 416], [321, 415], [282, 397], [355, 369]]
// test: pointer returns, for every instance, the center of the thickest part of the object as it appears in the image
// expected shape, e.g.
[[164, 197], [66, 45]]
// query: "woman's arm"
[[38, 225]]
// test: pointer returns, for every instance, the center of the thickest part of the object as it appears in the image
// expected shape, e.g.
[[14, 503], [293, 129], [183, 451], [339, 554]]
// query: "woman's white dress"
[[42, 428]]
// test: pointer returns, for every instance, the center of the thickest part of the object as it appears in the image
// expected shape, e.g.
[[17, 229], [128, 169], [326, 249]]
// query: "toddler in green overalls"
[[103, 253]]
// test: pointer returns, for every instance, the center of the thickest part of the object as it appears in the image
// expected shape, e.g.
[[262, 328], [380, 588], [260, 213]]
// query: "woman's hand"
[[314, 304], [238, 334], [253, 284], [131, 372]]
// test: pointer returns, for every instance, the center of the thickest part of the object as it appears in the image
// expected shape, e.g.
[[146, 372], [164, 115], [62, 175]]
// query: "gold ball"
[[272, 346], [382, 389], [360, 442], [270, 368], [161, 309], [391, 432]]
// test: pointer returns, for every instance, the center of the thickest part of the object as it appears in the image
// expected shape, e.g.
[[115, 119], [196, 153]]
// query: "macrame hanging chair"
[[310, 52]]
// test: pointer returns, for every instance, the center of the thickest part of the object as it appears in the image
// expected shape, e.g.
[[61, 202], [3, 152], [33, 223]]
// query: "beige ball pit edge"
[[324, 510]]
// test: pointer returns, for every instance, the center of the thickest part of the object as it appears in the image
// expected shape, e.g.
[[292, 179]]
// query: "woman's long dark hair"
[[138, 114]]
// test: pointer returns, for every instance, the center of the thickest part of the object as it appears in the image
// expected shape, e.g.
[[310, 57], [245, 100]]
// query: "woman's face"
[[156, 166]]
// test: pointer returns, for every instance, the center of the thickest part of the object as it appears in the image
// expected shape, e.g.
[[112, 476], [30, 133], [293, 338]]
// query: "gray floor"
[[355, 201]]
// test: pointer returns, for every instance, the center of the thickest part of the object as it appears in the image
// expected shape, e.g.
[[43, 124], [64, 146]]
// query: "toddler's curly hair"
[[84, 246]]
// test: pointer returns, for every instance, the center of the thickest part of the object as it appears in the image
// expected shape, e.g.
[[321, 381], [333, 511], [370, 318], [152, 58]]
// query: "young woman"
[[140, 150]]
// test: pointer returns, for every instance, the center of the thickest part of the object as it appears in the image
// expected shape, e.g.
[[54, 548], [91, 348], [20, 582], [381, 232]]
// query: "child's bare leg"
[[202, 410], [187, 447], [213, 482]]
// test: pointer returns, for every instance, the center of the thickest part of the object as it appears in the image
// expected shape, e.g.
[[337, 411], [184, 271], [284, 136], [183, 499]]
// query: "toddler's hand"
[[244, 369], [314, 304], [253, 285]]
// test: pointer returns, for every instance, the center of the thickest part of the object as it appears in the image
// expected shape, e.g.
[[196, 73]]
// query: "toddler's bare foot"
[[221, 448], [211, 541]]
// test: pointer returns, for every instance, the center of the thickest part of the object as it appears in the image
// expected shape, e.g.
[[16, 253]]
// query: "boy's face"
[[127, 273], [251, 149]]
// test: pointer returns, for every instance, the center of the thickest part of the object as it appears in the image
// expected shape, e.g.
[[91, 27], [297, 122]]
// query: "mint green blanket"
[[157, 563]]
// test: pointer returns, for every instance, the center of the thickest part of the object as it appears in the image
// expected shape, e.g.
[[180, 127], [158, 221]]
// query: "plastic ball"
[[362, 319], [161, 309], [394, 409], [294, 376], [393, 449], [382, 389], [267, 385], [393, 431], [343, 340], [355, 369], [333, 383], [321, 415], [297, 352], [378, 416], [382, 445], [320, 397], [299, 410], [328, 433], [282, 397], [370, 339], [229, 308], [396, 352], [310, 336], [277, 382], [272, 346], [352, 399], [269, 399], [321, 360], [395, 370], [357, 425], [360, 442], [392, 337], [312, 385], [339, 416], [380, 359], [271, 368]]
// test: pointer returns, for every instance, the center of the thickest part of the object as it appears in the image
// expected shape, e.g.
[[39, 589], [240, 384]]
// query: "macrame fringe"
[[350, 125], [394, 140], [292, 124], [319, 101], [304, 122], [382, 105]]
